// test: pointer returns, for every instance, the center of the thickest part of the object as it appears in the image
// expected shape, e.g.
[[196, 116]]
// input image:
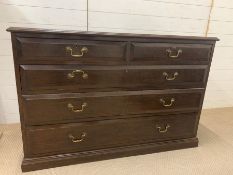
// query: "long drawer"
[[170, 53], [73, 78], [46, 140], [64, 50], [47, 109]]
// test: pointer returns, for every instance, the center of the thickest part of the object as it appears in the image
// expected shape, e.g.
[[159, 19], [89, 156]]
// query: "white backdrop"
[[176, 17]]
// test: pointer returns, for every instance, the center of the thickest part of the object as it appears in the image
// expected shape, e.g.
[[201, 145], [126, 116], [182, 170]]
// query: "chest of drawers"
[[87, 96]]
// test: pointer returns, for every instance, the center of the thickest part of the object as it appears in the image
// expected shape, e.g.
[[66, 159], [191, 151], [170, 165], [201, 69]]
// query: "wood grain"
[[136, 100]]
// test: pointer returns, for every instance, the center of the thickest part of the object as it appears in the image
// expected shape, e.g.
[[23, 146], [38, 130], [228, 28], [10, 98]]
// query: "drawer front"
[[170, 53], [48, 109], [82, 51], [52, 79], [109, 133]]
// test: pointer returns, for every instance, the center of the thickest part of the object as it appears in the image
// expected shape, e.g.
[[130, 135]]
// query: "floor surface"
[[214, 156]]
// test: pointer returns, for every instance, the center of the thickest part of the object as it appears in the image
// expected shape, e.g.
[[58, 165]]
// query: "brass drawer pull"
[[72, 74], [83, 51], [167, 105], [170, 78], [169, 51], [72, 108], [77, 140], [163, 130]]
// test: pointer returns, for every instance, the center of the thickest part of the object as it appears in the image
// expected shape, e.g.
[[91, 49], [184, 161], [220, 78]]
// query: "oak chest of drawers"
[[87, 96]]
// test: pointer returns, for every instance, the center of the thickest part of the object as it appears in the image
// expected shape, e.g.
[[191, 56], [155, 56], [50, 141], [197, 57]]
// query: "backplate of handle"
[[172, 55], [163, 102], [170, 78], [79, 139], [74, 72], [71, 107], [163, 130], [82, 51]]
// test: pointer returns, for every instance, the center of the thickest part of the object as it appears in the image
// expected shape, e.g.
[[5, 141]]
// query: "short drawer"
[[78, 137], [71, 78], [60, 50], [63, 108], [170, 53]]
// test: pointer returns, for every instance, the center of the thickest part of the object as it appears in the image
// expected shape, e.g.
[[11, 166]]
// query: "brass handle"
[[83, 51], [77, 140], [72, 74], [72, 108], [170, 78], [167, 105], [169, 51], [163, 130]]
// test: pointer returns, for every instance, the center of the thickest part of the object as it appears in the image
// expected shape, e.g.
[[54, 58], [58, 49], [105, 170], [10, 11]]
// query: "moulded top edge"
[[92, 33]]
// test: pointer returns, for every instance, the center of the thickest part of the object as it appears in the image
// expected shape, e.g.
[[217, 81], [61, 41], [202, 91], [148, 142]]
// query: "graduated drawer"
[[63, 108], [46, 140], [73, 78], [170, 53], [63, 50]]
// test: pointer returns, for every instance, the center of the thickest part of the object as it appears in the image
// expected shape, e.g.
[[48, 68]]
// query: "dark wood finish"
[[54, 108], [53, 79], [37, 163], [123, 91], [49, 140], [33, 31], [157, 53], [55, 49]]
